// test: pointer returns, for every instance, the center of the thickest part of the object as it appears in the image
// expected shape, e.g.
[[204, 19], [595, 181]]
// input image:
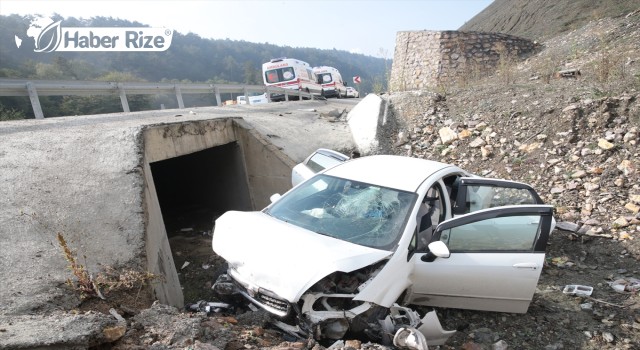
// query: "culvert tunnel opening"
[[193, 190]]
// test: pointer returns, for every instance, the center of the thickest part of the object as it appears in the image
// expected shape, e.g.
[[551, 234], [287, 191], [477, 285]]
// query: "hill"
[[543, 19]]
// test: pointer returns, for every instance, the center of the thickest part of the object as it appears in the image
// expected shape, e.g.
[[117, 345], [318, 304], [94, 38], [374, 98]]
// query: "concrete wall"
[[426, 59], [268, 168], [82, 180]]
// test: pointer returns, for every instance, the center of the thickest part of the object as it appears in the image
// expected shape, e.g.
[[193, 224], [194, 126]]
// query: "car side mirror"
[[437, 249], [274, 197]]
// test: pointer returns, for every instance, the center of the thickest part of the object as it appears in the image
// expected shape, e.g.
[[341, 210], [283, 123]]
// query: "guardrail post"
[[35, 101], [179, 97], [123, 98], [246, 95], [216, 90]]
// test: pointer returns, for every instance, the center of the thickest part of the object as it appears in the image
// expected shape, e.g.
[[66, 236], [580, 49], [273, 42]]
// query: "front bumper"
[[228, 285], [331, 92]]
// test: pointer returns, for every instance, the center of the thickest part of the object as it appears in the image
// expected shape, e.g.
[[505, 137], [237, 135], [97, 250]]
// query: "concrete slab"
[[365, 119], [61, 331], [84, 177]]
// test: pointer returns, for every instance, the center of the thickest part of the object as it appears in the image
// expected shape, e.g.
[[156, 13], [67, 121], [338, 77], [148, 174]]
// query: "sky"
[[358, 26]]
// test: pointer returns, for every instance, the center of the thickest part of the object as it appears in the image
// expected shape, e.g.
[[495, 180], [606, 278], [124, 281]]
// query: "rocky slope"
[[574, 138], [543, 19]]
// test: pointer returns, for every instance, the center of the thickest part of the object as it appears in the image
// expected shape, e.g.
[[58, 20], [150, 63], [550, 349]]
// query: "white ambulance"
[[331, 80], [290, 73]]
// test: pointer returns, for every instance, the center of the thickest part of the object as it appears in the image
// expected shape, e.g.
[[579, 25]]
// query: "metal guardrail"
[[35, 88]]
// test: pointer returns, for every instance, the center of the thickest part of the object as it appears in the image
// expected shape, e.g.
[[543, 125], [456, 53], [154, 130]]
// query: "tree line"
[[190, 58]]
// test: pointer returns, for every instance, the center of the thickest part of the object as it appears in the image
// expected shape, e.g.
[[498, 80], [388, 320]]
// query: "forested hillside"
[[190, 58]]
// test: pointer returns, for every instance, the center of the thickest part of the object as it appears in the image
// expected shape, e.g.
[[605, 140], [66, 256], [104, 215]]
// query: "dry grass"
[[104, 282]]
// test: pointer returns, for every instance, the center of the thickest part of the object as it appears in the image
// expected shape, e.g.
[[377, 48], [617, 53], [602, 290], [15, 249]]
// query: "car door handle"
[[532, 266]]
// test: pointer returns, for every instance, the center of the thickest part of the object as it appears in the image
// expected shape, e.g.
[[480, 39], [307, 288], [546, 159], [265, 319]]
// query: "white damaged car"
[[352, 248]]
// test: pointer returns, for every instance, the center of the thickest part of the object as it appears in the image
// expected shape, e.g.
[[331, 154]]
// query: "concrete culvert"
[[199, 171], [193, 190]]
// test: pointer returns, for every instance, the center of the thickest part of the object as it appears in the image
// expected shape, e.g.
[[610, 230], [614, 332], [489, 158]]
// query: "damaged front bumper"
[[321, 316], [226, 285]]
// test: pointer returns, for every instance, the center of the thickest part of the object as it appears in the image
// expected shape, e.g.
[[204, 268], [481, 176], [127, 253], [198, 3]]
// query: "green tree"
[[65, 67], [250, 76], [10, 114], [99, 104]]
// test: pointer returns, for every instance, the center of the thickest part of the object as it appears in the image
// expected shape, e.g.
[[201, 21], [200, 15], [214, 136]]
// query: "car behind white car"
[[241, 100], [351, 92], [358, 243]]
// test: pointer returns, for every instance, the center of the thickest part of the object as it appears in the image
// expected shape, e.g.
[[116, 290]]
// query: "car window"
[[349, 210], [482, 197], [512, 233], [319, 162], [431, 212]]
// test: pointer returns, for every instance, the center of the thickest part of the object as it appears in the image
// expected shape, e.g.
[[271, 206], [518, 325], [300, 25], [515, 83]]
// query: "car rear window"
[[280, 74], [325, 78], [319, 162]]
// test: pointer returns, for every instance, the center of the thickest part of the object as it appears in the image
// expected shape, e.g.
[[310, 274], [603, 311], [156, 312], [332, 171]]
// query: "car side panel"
[[478, 281], [495, 262]]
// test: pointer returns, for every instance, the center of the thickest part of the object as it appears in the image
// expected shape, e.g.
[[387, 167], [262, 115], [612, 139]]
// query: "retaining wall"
[[427, 59]]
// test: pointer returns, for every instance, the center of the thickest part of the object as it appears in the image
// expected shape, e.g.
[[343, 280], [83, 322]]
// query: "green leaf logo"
[[49, 38]]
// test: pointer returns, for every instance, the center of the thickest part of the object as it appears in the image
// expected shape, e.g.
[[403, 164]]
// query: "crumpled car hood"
[[284, 258]]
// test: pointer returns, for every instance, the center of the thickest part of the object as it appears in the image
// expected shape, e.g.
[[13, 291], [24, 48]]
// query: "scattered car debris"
[[586, 306], [410, 338], [568, 73], [578, 290], [209, 306], [625, 285]]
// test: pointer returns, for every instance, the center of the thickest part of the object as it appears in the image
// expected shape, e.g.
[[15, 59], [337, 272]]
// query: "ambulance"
[[331, 80], [290, 73]]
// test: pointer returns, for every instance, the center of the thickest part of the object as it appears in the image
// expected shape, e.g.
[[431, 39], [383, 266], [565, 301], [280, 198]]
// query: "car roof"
[[399, 172]]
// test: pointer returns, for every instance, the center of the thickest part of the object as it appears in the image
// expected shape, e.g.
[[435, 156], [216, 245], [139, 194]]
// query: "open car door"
[[496, 257]]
